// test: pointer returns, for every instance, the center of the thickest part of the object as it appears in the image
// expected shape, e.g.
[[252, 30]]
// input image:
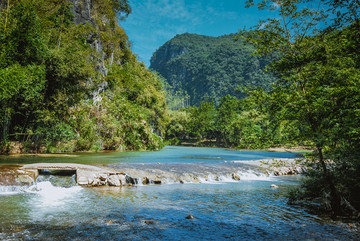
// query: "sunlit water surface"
[[55, 208]]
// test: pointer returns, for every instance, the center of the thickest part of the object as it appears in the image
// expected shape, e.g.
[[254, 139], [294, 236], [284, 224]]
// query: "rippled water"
[[55, 208]]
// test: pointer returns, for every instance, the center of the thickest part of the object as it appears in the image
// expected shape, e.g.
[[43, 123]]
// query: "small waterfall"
[[51, 184], [55, 190], [58, 181]]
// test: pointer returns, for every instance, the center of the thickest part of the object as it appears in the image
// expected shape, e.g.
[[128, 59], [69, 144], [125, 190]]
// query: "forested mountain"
[[210, 67], [69, 81]]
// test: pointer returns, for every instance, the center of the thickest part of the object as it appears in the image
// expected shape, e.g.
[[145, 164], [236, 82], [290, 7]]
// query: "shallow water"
[[170, 154], [55, 208]]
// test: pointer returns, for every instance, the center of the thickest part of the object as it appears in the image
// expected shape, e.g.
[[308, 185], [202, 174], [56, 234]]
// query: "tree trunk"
[[335, 198]]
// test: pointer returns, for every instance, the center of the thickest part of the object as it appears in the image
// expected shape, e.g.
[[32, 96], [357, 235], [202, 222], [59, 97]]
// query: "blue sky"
[[153, 22]]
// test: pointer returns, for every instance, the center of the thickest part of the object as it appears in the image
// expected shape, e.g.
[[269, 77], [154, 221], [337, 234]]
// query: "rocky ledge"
[[278, 167], [86, 175]]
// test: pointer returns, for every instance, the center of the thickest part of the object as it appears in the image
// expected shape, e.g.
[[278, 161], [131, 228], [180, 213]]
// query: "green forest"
[[69, 81], [209, 68]]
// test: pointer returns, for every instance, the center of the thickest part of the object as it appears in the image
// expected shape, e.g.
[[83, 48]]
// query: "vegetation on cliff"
[[209, 68], [69, 81]]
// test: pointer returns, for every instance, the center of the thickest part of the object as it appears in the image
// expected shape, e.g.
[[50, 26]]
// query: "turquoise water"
[[170, 154], [55, 208]]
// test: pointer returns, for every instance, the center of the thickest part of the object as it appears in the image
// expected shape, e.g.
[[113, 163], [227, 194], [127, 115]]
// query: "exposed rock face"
[[82, 11], [166, 53]]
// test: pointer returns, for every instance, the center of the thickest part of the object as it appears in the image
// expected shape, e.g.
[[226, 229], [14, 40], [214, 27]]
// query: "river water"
[[56, 208]]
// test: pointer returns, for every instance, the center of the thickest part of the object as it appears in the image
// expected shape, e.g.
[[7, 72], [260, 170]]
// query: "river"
[[56, 208]]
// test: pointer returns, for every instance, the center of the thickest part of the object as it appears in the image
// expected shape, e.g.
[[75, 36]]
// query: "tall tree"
[[315, 75]]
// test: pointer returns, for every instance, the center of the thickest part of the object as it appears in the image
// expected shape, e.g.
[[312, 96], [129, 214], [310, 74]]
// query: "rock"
[[130, 180], [156, 181], [122, 179], [25, 179], [83, 180], [114, 180], [103, 177], [274, 186], [235, 177], [96, 182], [145, 180], [190, 217], [149, 222]]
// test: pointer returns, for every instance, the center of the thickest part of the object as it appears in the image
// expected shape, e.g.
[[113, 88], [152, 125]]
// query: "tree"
[[318, 78]]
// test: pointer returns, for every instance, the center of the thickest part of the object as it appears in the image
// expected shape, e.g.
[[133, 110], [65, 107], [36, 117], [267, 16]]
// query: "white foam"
[[51, 195], [251, 175]]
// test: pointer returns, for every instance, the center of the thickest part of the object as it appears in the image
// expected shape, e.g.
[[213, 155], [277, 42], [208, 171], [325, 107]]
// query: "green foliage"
[[202, 120], [73, 85], [241, 123], [210, 68], [319, 92], [121, 6], [175, 99], [22, 42]]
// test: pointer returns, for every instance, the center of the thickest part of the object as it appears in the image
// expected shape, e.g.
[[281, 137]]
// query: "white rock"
[[83, 181], [114, 181], [122, 179], [103, 177]]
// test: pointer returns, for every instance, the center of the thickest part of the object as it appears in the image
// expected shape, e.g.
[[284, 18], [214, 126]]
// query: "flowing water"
[[56, 208]]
